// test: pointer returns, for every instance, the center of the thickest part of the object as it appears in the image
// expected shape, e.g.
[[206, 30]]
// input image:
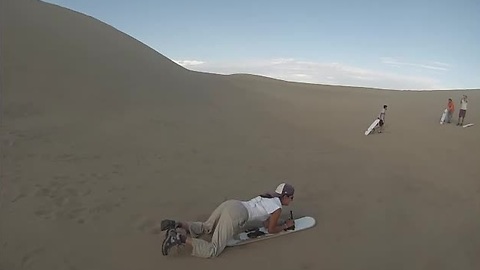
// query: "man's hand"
[[289, 224]]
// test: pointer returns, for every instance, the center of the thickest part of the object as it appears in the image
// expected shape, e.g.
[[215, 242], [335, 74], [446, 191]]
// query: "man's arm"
[[273, 221], [266, 222]]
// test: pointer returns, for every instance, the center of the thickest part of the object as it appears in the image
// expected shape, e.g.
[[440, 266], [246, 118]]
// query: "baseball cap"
[[285, 189]]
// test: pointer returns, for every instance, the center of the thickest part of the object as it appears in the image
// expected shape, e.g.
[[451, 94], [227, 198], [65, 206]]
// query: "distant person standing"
[[463, 110], [381, 117], [450, 110]]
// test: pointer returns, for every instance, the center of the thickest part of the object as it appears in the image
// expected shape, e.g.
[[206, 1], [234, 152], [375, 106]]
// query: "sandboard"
[[242, 238], [372, 126], [442, 119], [468, 125]]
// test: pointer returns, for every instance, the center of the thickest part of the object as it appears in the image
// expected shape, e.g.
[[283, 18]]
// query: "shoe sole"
[[165, 242], [164, 252], [167, 225]]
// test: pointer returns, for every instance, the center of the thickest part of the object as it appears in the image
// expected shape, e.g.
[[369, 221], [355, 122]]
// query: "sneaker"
[[168, 224], [172, 239]]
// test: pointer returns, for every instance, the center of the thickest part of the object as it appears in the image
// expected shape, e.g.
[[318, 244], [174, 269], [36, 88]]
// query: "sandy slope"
[[102, 137]]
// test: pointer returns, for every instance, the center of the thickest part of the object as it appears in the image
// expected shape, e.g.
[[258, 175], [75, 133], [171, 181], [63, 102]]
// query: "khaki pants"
[[225, 221]]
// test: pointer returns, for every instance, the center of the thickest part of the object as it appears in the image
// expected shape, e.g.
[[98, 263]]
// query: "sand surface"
[[102, 137]]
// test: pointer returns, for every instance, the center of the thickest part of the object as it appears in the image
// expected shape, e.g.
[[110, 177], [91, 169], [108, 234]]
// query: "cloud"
[[441, 64], [280, 61], [331, 73], [433, 65], [187, 63]]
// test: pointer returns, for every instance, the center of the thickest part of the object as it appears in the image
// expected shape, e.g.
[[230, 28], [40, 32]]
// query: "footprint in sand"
[[147, 225], [27, 258], [61, 201], [44, 213], [42, 258], [23, 193]]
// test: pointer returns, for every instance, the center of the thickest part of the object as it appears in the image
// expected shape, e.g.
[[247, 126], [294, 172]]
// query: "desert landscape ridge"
[[102, 137]]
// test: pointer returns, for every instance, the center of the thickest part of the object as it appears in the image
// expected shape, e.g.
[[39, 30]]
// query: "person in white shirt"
[[381, 117], [463, 110], [227, 220]]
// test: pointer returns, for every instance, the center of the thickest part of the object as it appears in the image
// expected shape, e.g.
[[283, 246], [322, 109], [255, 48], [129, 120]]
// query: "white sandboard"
[[468, 125], [442, 119], [372, 126], [242, 238]]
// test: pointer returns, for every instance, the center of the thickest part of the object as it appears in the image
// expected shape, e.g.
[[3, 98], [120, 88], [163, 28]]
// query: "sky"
[[403, 45]]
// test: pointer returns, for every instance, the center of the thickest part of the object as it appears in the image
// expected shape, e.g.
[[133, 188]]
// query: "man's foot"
[[168, 224], [171, 239]]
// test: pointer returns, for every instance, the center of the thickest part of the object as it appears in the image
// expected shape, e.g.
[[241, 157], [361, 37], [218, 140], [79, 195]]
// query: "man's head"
[[285, 192]]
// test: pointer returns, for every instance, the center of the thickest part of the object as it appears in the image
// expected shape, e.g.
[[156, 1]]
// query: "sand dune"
[[102, 137]]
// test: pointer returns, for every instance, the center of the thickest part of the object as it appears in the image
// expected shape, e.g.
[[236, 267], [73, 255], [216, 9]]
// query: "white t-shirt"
[[463, 104], [259, 209], [382, 114]]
